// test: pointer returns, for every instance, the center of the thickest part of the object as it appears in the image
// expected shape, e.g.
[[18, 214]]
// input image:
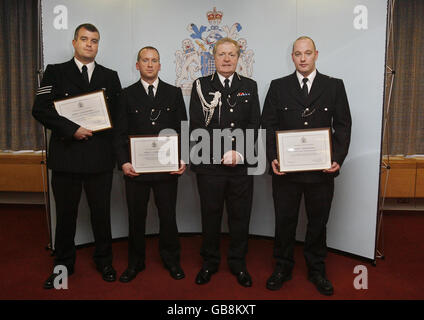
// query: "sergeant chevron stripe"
[[44, 90]]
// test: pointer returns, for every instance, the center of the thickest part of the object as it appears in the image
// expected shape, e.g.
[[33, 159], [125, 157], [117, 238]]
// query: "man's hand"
[[276, 168], [129, 171], [181, 169], [231, 158], [334, 167], [83, 134]]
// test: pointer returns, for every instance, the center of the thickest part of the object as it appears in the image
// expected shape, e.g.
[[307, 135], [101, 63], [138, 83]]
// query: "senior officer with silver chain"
[[147, 107], [303, 100], [224, 101]]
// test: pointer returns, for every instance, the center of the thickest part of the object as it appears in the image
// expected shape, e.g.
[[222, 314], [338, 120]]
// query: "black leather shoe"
[[277, 279], [108, 273], [49, 283], [323, 285], [244, 278], [130, 273], [176, 272], [204, 276]]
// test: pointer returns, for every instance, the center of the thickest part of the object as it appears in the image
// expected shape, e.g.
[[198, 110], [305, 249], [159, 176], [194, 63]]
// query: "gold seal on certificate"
[[151, 154], [88, 110], [304, 150]]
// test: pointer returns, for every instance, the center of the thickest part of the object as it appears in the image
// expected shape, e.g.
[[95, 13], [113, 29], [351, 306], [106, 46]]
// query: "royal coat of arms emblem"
[[196, 58]]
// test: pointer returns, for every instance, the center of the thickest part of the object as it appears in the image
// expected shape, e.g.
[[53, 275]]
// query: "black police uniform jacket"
[[325, 107], [139, 115], [65, 153], [240, 110]]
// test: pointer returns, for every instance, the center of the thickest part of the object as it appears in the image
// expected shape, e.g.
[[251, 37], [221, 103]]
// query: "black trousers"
[[237, 193], [67, 188], [165, 195], [287, 196]]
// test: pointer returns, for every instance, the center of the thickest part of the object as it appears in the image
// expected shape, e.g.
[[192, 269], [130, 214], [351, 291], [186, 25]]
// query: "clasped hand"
[[276, 168]]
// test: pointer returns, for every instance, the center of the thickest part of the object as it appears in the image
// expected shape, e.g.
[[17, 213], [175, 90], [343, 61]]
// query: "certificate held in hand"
[[88, 110], [153, 154], [304, 150]]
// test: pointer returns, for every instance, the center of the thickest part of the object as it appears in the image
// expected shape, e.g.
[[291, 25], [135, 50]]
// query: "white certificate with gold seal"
[[304, 150], [153, 154], [89, 110]]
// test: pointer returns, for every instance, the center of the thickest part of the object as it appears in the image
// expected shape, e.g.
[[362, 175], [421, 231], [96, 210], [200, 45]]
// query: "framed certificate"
[[88, 110], [304, 150], [150, 154]]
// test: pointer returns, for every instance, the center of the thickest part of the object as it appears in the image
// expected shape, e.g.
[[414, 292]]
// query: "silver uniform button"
[[231, 110], [153, 123], [305, 123], [285, 108], [246, 101], [232, 124], [233, 139], [307, 109], [229, 96], [136, 111], [325, 109], [167, 109], [153, 110]]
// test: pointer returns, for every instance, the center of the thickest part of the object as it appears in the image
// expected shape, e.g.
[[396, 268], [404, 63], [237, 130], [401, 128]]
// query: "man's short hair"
[[225, 40], [88, 26], [149, 48], [304, 38]]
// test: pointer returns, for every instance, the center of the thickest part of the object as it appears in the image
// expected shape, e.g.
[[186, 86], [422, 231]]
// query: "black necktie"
[[304, 91], [85, 75], [227, 84], [151, 94]]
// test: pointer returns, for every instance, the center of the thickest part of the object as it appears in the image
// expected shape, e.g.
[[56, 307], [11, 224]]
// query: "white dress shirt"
[[311, 78], [222, 79], [146, 85], [90, 67]]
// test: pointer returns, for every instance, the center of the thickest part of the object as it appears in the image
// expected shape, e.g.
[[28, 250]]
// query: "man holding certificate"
[[225, 108], [308, 123], [147, 107], [80, 155]]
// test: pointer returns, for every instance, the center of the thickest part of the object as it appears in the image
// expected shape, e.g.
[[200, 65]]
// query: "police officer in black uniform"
[[145, 108], [303, 100], [77, 156], [224, 101]]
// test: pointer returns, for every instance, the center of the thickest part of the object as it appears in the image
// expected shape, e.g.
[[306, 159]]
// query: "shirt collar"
[[311, 77], [90, 66], [222, 78], [146, 84]]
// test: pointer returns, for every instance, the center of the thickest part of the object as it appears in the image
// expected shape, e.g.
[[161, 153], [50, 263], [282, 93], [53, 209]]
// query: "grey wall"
[[351, 45]]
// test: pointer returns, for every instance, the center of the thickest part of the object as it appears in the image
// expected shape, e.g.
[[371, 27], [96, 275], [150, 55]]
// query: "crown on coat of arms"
[[214, 17]]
